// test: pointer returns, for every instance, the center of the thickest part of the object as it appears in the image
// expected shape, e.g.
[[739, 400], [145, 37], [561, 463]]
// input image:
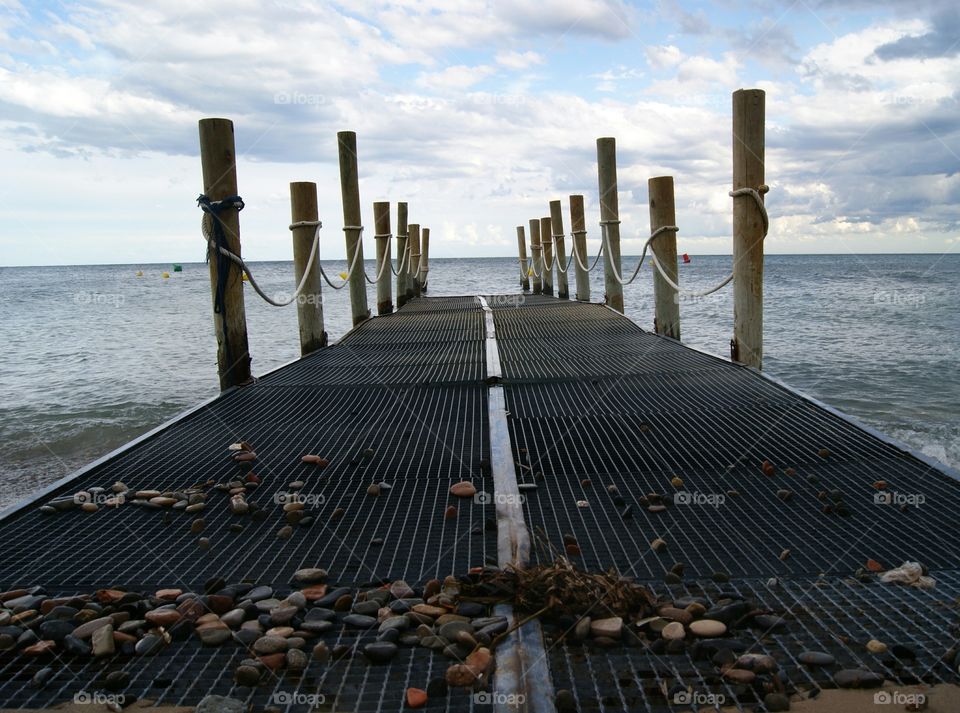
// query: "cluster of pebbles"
[[283, 631], [726, 633]]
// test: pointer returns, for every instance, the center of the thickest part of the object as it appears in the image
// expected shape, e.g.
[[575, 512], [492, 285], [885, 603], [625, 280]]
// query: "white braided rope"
[[579, 257], [556, 256], [205, 229]]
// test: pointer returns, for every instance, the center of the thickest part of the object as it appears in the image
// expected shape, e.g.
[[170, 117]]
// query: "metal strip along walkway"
[[571, 398]]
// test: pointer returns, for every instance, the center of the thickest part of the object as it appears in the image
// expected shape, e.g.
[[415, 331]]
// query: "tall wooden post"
[[219, 165], [578, 228], [381, 222], [524, 270], [610, 220], [414, 277], [666, 300], [556, 224], [403, 259], [350, 191], [536, 252], [424, 259], [303, 209], [546, 246], [748, 172]]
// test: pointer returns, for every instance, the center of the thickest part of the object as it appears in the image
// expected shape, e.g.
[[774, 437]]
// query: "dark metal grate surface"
[[836, 617], [364, 393]]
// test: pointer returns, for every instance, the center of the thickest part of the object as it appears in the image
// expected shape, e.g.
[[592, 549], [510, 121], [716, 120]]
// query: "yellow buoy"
[[165, 275], [243, 276], [344, 276], [530, 272], [139, 273]]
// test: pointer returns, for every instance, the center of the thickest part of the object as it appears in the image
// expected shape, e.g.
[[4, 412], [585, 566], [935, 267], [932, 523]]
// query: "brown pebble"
[[196, 527], [373, 490], [316, 460], [768, 468], [203, 543], [586, 483], [880, 484], [658, 545], [789, 471], [343, 603], [463, 489], [676, 482], [285, 532], [823, 453], [337, 514], [784, 494], [784, 555], [572, 549], [450, 513]]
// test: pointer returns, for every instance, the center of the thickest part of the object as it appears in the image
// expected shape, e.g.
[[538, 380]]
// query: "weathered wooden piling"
[[219, 165], [352, 225], [524, 270], [546, 247], [403, 257], [748, 227], [381, 221], [536, 253], [666, 299], [414, 242], [556, 225], [303, 219], [610, 220], [424, 259], [578, 229]]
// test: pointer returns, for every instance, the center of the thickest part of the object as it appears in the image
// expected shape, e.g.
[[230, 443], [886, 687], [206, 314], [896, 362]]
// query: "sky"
[[477, 113]]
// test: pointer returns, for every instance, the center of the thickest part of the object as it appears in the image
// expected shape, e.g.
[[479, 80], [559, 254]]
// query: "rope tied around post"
[[215, 244], [556, 258]]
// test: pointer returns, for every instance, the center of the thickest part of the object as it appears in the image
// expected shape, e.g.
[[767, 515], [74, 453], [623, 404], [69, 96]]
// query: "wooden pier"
[[585, 437], [510, 502]]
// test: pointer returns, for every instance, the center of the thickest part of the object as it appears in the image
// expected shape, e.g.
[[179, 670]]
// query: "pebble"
[[657, 508], [876, 647], [416, 698], [359, 621], [739, 675], [102, 641], [297, 660], [776, 702], [463, 489], [380, 651], [658, 545], [310, 575], [373, 490], [321, 652], [758, 663], [41, 677], [337, 514], [823, 453], [148, 645], [816, 658], [270, 645], [285, 532], [708, 628], [610, 627], [784, 494], [315, 460], [673, 631], [196, 527], [768, 468], [565, 701], [203, 543], [450, 513], [117, 680], [247, 676], [676, 482]]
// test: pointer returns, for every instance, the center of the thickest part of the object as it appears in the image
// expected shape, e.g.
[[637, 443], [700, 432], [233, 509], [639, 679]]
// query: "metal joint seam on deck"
[[522, 676]]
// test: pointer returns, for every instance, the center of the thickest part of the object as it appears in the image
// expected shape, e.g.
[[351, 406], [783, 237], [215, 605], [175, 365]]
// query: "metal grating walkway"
[[591, 401]]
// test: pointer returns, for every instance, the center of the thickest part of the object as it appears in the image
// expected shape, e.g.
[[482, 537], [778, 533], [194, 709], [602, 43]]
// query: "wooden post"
[[381, 222], [403, 261], [746, 346], [535, 251], [424, 259], [666, 300], [350, 190], [610, 220], [556, 224], [414, 277], [303, 209], [546, 247], [578, 228], [219, 165], [524, 270]]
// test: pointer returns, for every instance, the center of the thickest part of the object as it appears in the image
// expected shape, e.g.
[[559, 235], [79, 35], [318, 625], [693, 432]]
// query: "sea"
[[92, 356]]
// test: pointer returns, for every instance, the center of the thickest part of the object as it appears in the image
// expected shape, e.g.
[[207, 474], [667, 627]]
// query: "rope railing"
[[754, 193]]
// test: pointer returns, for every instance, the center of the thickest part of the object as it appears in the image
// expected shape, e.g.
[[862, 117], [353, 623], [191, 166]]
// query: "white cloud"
[[518, 60], [457, 78]]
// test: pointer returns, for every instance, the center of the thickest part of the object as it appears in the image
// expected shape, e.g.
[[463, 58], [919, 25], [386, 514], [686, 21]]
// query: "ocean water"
[[93, 356]]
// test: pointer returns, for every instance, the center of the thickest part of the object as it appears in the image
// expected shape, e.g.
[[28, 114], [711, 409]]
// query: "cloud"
[[518, 60], [609, 80], [458, 77], [941, 40]]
